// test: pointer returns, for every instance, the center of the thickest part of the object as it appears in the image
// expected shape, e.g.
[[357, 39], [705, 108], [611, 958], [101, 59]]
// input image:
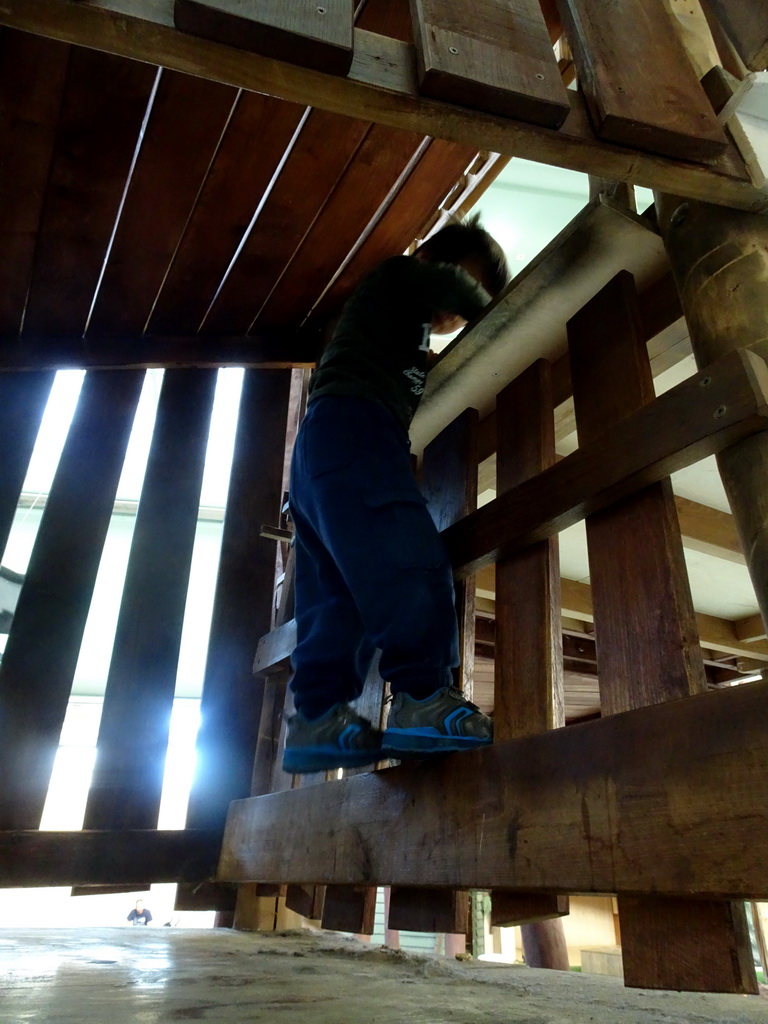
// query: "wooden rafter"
[[381, 87]]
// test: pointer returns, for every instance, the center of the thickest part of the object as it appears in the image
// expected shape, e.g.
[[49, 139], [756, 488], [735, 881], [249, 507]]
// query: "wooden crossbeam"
[[381, 86], [583, 809], [699, 417], [145, 351], [93, 857]]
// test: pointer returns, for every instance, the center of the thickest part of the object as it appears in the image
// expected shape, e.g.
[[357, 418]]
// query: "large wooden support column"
[[242, 611], [647, 644], [720, 261], [39, 661], [528, 674], [125, 789], [22, 403], [449, 483]]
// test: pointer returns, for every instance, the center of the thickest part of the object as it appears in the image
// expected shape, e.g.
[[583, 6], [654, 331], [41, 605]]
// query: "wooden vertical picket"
[[646, 636], [528, 674]]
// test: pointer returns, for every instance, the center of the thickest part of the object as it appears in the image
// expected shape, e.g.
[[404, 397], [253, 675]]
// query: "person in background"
[[139, 914]]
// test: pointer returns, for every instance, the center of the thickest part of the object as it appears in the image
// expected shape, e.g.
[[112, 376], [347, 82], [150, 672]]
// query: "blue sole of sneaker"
[[400, 743], [304, 760]]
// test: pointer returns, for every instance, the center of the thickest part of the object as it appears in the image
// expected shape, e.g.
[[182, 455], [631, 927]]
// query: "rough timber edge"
[[381, 87]]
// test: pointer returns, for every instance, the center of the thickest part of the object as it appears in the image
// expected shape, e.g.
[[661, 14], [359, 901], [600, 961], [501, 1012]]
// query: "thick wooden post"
[[720, 261], [528, 675], [647, 644]]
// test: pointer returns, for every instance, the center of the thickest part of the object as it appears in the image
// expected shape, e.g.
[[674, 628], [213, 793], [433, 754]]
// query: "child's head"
[[468, 244]]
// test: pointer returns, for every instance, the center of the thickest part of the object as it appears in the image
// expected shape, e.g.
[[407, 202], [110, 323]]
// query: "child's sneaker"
[[439, 724], [338, 739]]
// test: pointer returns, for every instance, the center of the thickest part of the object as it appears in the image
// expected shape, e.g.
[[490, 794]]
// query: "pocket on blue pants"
[[402, 533]]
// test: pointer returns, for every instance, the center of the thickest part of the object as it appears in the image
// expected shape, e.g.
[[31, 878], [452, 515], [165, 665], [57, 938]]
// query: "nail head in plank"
[[125, 790], [313, 33], [492, 55]]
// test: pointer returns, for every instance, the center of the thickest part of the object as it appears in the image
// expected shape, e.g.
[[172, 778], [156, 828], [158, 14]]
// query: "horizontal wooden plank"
[[30, 858], [492, 56], [141, 351], [313, 35], [702, 416], [381, 86], [690, 820], [275, 648]]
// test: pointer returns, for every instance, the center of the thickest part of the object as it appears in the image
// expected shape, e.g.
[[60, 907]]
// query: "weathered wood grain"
[[39, 662], [746, 22], [381, 86], [104, 103], [702, 415], [688, 821], [646, 635], [492, 55]]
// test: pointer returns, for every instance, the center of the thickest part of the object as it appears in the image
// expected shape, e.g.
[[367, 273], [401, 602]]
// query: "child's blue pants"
[[371, 570]]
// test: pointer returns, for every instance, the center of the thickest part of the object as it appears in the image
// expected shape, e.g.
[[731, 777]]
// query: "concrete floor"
[[157, 975]]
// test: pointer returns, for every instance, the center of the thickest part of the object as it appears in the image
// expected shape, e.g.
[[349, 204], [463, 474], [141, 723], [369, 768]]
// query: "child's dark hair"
[[467, 239]]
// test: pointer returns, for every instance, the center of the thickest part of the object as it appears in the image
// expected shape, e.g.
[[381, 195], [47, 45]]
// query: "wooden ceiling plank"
[[438, 170], [313, 35], [750, 629], [29, 112], [187, 118], [105, 100], [241, 174], [325, 146], [492, 56], [709, 757], [381, 87], [368, 184], [673, 116], [746, 22]]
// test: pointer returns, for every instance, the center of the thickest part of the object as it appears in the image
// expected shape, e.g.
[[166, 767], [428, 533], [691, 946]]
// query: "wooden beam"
[[312, 35], [611, 54], [41, 655], [690, 820], [32, 858], [143, 351], [646, 635], [528, 677], [746, 22], [125, 790], [494, 57], [381, 87], [750, 629], [709, 530], [527, 321], [702, 415]]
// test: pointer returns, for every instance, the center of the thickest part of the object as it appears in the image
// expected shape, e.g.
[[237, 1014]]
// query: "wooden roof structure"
[[200, 183]]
